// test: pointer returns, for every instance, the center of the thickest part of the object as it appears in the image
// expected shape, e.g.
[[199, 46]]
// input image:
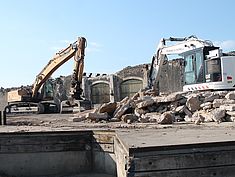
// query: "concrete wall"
[[171, 79], [57, 153]]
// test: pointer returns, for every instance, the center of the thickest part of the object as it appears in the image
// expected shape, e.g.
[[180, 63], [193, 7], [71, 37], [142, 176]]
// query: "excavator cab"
[[196, 66], [207, 69]]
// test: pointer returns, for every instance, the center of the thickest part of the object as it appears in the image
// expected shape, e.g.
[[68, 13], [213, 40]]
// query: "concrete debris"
[[218, 115], [200, 119], [97, 116], [145, 103], [228, 107], [108, 107], [230, 95], [193, 103], [129, 118], [166, 118], [145, 107], [217, 103], [207, 105], [210, 97]]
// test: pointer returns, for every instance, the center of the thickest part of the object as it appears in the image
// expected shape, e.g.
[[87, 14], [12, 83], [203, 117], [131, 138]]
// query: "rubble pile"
[[144, 107]]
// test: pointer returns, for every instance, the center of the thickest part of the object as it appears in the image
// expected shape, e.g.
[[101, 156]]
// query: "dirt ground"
[[64, 122]]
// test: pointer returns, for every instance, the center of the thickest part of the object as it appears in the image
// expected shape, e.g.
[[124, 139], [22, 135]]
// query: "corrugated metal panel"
[[100, 93], [130, 87]]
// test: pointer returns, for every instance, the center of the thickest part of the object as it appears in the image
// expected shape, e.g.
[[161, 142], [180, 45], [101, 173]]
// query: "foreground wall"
[[56, 154]]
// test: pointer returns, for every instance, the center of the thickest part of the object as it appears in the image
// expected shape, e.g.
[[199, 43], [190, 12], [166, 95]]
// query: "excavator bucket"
[[76, 106]]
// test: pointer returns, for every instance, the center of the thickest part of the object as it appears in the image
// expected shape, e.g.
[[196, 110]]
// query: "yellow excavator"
[[40, 98]]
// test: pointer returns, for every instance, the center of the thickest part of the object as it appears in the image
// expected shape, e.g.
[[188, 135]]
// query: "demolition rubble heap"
[[144, 107]]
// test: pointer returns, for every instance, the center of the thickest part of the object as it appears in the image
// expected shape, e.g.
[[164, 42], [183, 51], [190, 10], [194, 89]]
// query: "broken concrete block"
[[121, 111], [205, 116], [217, 114], [114, 119], [108, 107], [145, 103], [180, 109], [143, 120], [211, 97], [169, 98], [152, 116], [229, 101], [230, 95], [230, 119], [188, 119], [231, 113], [217, 103], [187, 112], [173, 97], [221, 93], [193, 103], [228, 107], [97, 116], [152, 120], [161, 108], [122, 108], [166, 118], [182, 101], [152, 108], [129, 118], [200, 119], [138, 112], [135, 96], [207, 105]]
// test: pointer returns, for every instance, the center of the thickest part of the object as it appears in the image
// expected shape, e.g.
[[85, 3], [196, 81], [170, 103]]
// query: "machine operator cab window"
[[213, 66], [197, 71], [194, 72]]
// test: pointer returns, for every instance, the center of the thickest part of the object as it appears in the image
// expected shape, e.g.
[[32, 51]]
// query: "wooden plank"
[[181, 149], [224, 171], [44, 148], [42, 139], [44, 142], [183, 161]]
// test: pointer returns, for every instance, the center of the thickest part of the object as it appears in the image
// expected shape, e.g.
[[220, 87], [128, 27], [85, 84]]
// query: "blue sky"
[[120, 33]]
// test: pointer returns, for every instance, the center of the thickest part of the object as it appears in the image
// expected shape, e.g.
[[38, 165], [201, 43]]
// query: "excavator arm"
[[76, 80], [76, 50]]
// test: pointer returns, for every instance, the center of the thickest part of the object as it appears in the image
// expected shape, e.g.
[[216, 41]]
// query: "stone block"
[[218, 114], [228, 107], [166, 118], [211, 97], [207, 105], [193, 103], [145, 103], [97, 116], [230, 95], [217, 103], [129, 118], [108, 107]]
